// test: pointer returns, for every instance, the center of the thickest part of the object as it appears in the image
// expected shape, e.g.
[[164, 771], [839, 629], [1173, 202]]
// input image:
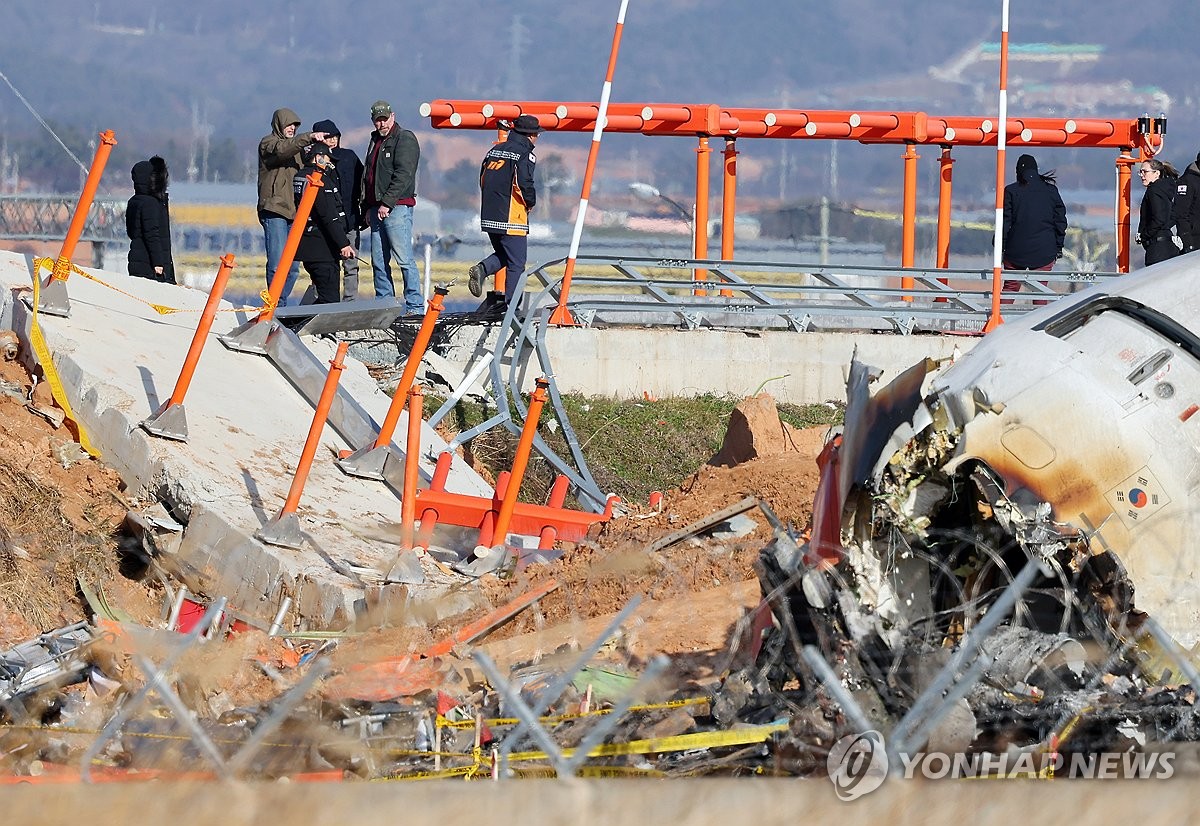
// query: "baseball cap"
[[380, 109]]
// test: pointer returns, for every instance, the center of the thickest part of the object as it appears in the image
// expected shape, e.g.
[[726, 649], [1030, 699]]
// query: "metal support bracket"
[[170, 422], [282, 531], [250, 337]]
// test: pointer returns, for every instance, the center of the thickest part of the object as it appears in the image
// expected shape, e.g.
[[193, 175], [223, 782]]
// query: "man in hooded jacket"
[[278, 162], [1035, 222], [148, 222]]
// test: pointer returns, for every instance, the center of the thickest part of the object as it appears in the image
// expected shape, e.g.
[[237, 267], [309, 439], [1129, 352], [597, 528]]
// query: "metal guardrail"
[[797, 296], [47, 218]]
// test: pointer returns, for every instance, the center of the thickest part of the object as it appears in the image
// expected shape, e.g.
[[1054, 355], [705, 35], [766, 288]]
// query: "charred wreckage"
[[1002, 552]]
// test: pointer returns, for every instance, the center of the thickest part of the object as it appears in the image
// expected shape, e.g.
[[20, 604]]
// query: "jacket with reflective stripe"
[[506, 187]]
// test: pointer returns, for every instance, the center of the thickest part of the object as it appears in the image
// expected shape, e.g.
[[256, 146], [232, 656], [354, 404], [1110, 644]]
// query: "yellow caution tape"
[[679, 742], [921, 219], [466, 772], [47, 362], [442, 722], [602, 772], [161, 309]]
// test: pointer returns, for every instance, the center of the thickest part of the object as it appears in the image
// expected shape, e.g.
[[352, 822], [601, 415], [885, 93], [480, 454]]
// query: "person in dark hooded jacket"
[[1035, 222], [1158, 210], [278, 161], [324, 241], [148, 222], [1187, 206]]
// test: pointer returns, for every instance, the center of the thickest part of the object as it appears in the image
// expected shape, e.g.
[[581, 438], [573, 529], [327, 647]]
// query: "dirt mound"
[[58, 515], [598, 578]]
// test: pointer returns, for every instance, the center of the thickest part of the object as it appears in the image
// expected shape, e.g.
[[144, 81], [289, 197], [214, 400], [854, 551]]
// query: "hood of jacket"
[[282, 119], [1027, 168], [150, 177]]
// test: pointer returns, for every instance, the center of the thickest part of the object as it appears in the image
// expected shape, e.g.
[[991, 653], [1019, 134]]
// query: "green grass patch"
[[631, 447]]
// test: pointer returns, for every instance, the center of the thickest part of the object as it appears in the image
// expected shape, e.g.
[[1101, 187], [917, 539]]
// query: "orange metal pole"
[[520, 461], [206, 321], [412, 453], [1125, 164], [945, 191], [388, 429], [62, 264], [558, 495], [729, 203], [441, 472], [500, 277], [908, 238], [700, 219], [561, 315], [291, 245], [314, 432], [488, 527]]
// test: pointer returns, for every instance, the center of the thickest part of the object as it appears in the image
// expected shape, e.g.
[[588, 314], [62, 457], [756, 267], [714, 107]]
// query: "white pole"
[[561, 316], [995, 319]]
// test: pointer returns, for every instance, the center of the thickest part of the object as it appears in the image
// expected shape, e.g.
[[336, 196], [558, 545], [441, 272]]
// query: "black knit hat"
[[328, 127]]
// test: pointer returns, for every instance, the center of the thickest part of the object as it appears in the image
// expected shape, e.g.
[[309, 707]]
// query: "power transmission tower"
[[514, 83]]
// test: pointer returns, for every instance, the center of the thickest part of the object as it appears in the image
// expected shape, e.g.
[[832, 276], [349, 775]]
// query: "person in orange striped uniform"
[[507, 195]]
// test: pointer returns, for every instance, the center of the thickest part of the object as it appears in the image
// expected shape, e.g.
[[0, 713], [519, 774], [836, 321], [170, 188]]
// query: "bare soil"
[[60, 519]]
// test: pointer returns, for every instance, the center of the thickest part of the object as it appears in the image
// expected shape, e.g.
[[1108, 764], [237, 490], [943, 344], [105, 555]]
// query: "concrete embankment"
[[118, 359]]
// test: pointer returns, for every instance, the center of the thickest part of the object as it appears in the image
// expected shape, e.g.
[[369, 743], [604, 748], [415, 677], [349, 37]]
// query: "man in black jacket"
[[324, 240], [507, 194], [1187, 206], [389, 195]]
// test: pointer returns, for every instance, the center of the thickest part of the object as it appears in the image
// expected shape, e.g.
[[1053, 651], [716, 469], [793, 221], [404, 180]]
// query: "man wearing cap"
[[389, 195], [507, 194], [278, 162], [349, 170]]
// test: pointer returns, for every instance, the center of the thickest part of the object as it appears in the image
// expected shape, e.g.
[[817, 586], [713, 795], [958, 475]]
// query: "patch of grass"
[[631, 447]]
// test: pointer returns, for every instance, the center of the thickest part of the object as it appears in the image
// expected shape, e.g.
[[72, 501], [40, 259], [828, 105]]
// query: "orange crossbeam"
[[711, 120], [468, 511]]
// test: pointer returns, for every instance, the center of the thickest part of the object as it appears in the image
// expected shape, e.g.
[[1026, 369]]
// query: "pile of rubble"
[[927, 599]]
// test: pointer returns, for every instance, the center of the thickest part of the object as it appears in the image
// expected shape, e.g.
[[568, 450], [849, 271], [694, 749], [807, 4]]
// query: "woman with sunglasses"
[[1157, 218]]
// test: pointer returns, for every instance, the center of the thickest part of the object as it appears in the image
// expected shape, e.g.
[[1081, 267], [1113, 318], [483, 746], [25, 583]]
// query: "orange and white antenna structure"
[[995, 319], [561, 315]]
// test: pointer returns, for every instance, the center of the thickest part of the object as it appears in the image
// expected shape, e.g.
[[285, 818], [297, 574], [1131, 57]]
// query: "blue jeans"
[[392, 238], [275, 232]]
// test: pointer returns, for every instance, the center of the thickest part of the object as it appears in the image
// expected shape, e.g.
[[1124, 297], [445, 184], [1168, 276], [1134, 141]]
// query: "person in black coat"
[[148, 222], [1035, 222], [1187, 206], [324, 241], [1157, 217], [349, 169]]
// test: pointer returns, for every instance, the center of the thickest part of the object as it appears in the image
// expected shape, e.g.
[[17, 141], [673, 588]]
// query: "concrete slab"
[[119, 360]]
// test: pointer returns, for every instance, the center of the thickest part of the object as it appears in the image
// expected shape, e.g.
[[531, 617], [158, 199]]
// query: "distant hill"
[[172, 78]]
